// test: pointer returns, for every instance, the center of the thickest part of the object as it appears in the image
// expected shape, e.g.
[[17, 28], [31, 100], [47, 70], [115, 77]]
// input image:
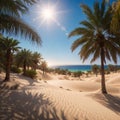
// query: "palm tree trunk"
[[24, 68], [8, 64], [103, 86]]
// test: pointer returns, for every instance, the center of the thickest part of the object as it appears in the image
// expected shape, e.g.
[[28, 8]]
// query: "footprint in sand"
[[65, 89], [68, 89], [60, 87]]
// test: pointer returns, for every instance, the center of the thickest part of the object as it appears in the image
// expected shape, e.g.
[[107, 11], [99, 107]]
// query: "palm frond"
[[85, 53], [113, 49], [81, 31], [90, 15], [103, 8], [107, 19], [75, 32], [107, 54], [31, 2], [87, 24], [12, 25], [15, 7], [87, 49], [97, 10], [11, 7], [96, 39], [88, 12], [96, 54], [78, 43]]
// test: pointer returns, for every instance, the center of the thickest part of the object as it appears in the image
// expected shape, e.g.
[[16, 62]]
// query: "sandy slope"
[[61, 100]]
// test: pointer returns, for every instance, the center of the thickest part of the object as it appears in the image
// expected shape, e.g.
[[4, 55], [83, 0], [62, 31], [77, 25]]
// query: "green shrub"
[[15, 69], [77, 74], [69, 73], [112, 68], [95, 69], [107, 72], [61, 71], [31, 73]]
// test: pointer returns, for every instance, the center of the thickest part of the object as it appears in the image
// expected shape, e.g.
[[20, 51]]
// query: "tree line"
[[14, 57]]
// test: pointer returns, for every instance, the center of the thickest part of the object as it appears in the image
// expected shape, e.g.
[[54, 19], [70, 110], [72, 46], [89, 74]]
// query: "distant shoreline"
[[76, 68]]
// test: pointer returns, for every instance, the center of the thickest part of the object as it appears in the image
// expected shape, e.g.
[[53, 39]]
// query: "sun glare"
[[48, 13]]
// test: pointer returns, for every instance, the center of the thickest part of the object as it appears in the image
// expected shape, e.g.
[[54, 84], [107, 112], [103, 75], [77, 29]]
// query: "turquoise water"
[[75, 68]]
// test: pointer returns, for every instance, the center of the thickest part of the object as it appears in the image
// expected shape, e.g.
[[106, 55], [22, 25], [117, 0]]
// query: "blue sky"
[[56, 45]]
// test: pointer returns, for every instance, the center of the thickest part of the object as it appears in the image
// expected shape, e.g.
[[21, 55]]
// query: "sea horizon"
[[76, 68]]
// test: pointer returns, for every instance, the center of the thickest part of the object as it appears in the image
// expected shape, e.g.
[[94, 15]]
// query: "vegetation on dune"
[[95, 69], [77, 74], [96, 39], [30, 73], [113, 68], [24, 58], [15, 69], [43, 67], [61, 71], [12, 58], [36, 59], [11, 22], [7, 47]]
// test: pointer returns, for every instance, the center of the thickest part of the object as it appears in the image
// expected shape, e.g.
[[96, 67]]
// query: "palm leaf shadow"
[[22, 105]]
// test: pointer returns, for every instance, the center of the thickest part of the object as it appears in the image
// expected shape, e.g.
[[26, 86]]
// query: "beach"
[[60, 97], [41, 78]]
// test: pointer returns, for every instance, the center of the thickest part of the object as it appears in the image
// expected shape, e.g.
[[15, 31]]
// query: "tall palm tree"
[[11, 22], [115, 23], [43, 66], [95, 39], [8, 46], [24, 59], [36, 58]]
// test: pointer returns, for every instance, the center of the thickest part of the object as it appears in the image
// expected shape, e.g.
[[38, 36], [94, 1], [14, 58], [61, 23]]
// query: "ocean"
[[75, 68]]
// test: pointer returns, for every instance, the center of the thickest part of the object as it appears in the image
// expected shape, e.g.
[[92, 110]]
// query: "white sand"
[[61, 99]]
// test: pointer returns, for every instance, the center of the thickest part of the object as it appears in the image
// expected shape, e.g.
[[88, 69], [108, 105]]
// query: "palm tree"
[[95, 39], [95, 69], [43, 66], [10, 22], [115, 23], [2, 59], [8, 46], [24, 59], [36, 58]]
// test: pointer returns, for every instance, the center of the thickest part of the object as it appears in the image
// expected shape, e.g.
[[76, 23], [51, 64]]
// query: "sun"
[[48, 13]]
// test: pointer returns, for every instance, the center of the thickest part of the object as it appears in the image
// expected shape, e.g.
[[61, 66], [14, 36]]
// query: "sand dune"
[[114, 79], [75, 85], [60, 100]]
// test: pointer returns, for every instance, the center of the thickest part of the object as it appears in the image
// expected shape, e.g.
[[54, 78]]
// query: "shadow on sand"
[[110, 101], [24, 105]]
